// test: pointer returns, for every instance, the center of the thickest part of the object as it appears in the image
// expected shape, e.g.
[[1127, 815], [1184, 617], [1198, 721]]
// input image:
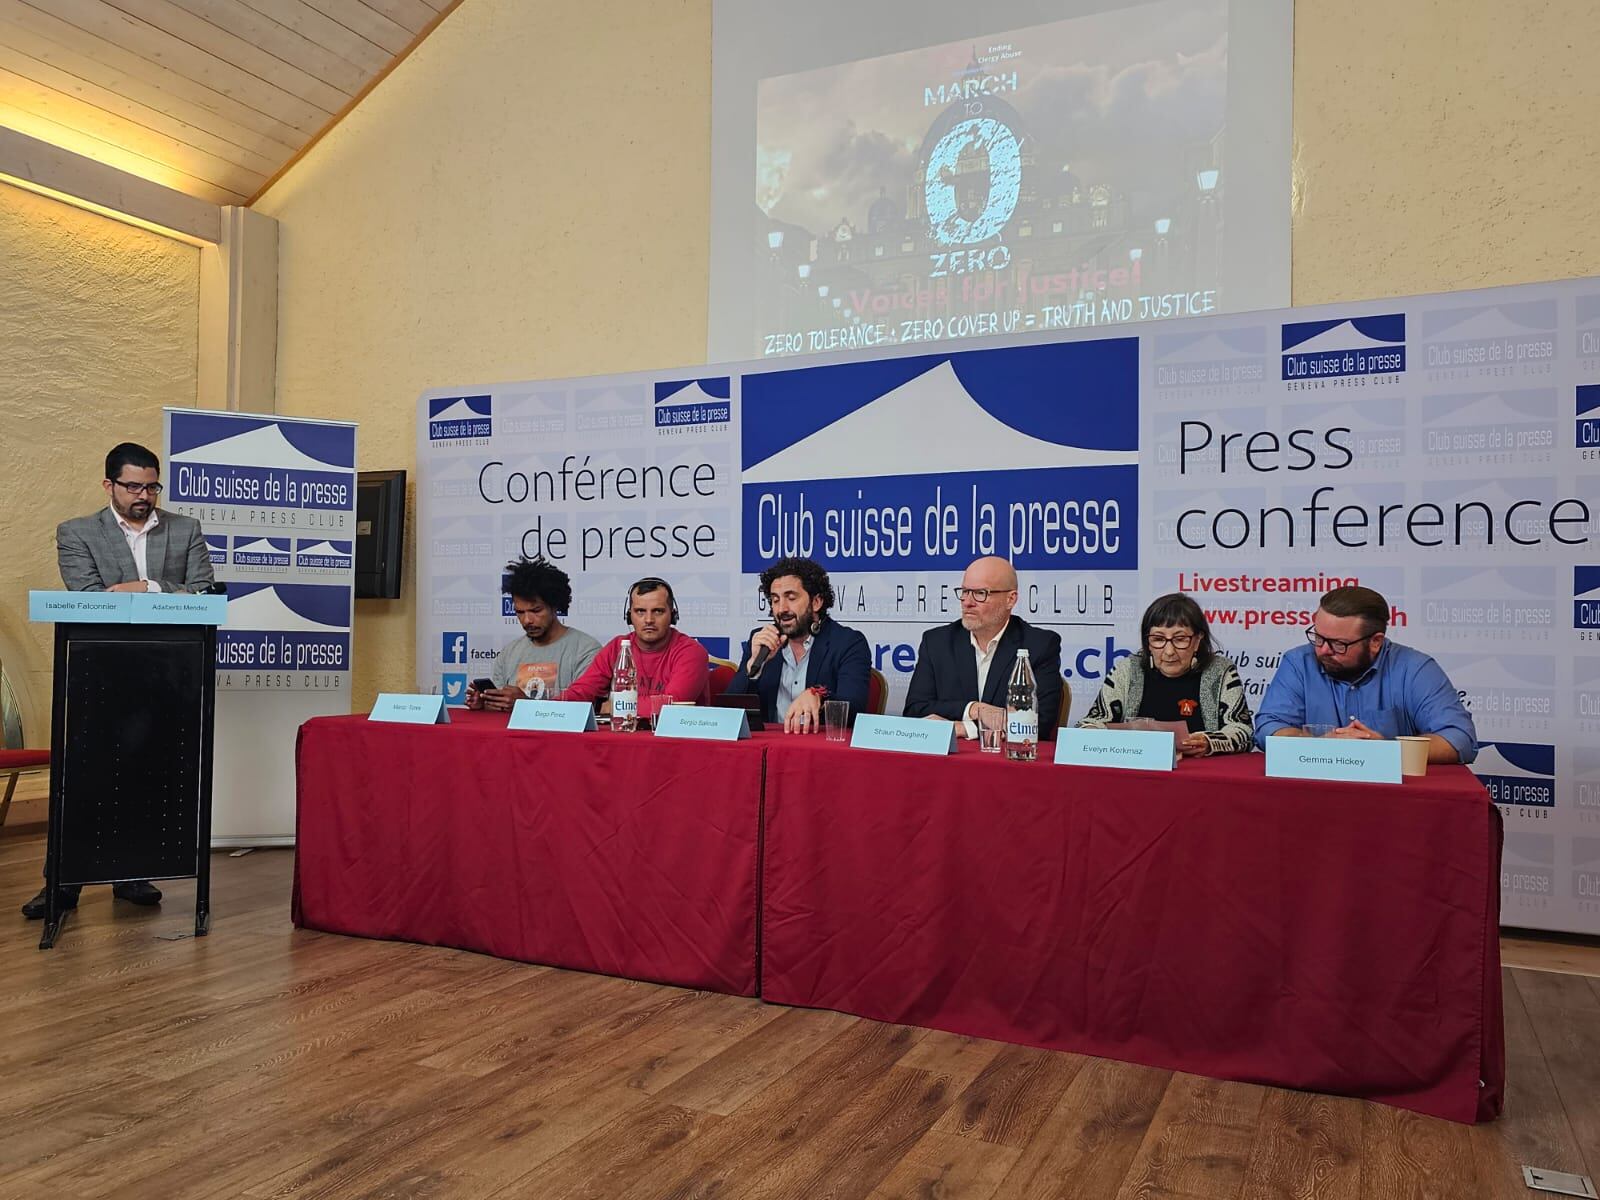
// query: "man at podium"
[[128, 546]]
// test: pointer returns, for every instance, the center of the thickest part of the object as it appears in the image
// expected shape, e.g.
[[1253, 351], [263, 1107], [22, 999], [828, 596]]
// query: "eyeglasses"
[[979, 595], [1337, 645], [1182, 641], [140, 489]]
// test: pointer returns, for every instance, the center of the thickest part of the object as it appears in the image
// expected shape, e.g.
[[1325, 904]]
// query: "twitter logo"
[[455, 689]]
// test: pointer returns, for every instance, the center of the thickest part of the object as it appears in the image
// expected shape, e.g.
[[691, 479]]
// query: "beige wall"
[[98, 324], [1443, 144], [487, 212]]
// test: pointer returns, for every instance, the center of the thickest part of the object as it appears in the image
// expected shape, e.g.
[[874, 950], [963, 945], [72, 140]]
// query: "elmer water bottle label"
[[624, 704], [1022, 726]]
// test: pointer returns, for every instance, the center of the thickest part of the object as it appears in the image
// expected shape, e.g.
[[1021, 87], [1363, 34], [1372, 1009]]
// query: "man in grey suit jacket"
[[129, 547]]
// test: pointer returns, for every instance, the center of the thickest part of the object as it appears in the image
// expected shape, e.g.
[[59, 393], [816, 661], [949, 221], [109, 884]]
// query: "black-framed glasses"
[[1337, 645], [1160, 641], [139, 489], [979, 595]]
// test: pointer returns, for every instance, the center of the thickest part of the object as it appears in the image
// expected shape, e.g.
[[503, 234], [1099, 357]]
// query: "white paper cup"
[[1414, 755]]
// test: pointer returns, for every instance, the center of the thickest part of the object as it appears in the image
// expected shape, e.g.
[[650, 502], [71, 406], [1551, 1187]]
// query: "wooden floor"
[[263, 1062]]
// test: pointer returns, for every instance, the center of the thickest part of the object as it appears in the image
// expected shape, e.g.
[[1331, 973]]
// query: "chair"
[[722, 673], [877, 692], [15, 759], [14, 763], [1066, 706]]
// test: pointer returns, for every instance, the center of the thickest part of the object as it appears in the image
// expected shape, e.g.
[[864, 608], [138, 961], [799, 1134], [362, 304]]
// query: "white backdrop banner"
[[1444, 450], [276, 499]]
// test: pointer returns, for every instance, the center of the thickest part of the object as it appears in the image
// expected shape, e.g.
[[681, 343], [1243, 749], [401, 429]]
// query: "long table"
[[1340, 938], [1334, 937], [618, 853]]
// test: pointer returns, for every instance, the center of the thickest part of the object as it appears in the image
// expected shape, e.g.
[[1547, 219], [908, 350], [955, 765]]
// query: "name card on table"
[[553, 716], [909, 735], [405, 709], [1352, 760], [708, 724], [177, 608], [102, 607], [1131, 749]]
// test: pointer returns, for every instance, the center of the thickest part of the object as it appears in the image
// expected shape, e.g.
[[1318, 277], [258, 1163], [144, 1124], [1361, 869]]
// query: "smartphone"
[[483, 685]]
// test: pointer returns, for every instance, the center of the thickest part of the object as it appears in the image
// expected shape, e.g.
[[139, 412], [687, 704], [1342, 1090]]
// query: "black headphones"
[[649, 583]]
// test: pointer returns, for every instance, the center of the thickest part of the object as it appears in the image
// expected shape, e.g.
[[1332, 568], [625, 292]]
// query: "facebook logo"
[[455, 649]]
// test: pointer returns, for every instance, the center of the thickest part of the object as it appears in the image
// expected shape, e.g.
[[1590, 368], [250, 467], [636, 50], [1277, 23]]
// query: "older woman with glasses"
[[1178, 676]]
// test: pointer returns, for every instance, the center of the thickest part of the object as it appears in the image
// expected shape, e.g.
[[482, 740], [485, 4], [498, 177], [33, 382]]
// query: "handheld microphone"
[[762, 654]]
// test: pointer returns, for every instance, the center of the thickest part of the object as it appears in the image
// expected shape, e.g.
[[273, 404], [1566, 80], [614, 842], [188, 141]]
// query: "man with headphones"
[[668, 662]]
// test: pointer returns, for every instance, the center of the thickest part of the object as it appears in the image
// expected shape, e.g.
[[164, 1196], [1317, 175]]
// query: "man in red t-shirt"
[[669, 663]]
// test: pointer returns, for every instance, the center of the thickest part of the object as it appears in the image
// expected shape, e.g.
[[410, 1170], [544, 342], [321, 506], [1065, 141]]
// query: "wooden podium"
[[130, 744]]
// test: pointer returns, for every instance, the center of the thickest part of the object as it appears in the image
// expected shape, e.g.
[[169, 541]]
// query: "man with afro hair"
[[549, 655]]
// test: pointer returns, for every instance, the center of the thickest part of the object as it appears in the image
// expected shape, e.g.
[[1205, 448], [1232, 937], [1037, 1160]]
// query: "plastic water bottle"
[[625, 690], [1022, 712]]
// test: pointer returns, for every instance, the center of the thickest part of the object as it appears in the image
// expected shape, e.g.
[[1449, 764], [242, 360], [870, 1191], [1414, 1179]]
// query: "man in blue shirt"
[[1352, 679]]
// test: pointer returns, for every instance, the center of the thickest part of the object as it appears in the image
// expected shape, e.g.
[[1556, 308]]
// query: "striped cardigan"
[[1223, 707]]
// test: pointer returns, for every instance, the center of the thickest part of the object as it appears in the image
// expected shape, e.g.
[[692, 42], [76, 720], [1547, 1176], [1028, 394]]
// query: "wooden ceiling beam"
[[40, 167]]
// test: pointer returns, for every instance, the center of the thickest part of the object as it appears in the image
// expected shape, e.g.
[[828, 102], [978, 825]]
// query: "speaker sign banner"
[[276, 498], [1444, 450], [610, 479]]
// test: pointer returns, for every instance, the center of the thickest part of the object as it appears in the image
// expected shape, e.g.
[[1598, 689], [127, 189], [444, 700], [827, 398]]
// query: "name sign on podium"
[[1351, 760], [553, 716], [137, 608], [177, 608], [105, 607], [1129, 749], [405, 709], [908, 735], [709, 724]]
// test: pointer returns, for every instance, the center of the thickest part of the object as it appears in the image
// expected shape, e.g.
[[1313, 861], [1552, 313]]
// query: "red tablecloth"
[[619, 853], [1336, 937]]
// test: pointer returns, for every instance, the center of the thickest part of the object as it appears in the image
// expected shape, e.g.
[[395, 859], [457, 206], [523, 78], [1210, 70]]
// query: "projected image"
[[1062, 176]]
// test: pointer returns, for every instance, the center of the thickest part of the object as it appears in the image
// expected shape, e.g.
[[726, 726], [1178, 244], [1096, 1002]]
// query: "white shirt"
[[792, 680], [985, 656], [139, 544]]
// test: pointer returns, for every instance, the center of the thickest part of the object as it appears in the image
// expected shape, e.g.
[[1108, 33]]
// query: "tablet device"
[[749, 701]]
